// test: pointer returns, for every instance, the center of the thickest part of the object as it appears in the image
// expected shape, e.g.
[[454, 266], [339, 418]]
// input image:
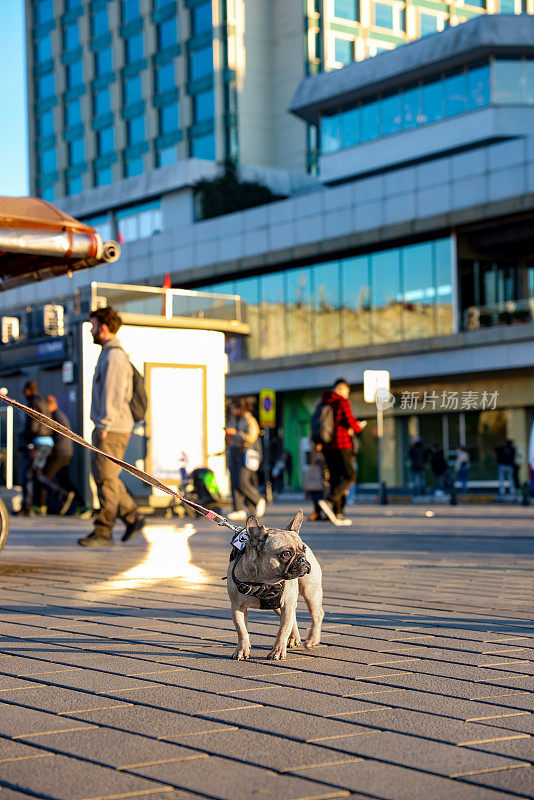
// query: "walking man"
[[39, 442], [113, 420], [339, 452], [55, 476]]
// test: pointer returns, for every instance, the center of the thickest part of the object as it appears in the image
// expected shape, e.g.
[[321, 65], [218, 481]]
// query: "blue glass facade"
[[386, 296], [499, 82]]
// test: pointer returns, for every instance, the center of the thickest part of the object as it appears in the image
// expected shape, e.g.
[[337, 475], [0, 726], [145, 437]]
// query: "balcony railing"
[[510, 312], [223, 311]]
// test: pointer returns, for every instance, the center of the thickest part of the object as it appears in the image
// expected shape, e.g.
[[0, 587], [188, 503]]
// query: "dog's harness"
[[269, 594]]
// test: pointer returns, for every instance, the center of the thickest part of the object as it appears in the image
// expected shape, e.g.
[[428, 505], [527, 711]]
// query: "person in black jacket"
[[418, 455], [55, 476], [38, 444]]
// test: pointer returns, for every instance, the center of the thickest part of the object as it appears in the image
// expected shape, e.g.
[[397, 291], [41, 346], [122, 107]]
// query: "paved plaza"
[[116, 679]]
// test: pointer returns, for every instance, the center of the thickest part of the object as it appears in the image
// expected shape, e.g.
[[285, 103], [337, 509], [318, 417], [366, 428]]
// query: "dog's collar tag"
[[240, 541]]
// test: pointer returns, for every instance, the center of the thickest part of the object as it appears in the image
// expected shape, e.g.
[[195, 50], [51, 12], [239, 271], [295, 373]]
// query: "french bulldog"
[[269, 572]]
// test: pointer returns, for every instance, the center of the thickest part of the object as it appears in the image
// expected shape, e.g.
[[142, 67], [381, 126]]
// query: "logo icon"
[[384, 399]]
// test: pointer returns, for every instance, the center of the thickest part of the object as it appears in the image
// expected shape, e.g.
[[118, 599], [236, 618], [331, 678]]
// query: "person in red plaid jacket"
[[339, 453]]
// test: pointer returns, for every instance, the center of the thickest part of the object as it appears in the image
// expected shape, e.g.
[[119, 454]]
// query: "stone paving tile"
[[225, 780], [70, 779], [274, 752], [113, 748], [147, 721], [295, 725], [11, 794], [181, 699], [519, 781], [448, 706], [391, 782], [521, 746], [436, 757], [521, 721], [59, 700], [312, 702], [15, 750], [17, 722]]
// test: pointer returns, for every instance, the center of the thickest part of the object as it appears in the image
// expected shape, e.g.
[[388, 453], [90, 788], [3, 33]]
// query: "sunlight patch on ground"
[[167, 558]]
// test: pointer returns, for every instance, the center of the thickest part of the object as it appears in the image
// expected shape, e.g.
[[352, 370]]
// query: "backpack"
[[139, 401], [322, 424]]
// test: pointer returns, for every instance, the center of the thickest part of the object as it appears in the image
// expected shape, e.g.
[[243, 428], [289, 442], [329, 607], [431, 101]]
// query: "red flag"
[[167, 283]]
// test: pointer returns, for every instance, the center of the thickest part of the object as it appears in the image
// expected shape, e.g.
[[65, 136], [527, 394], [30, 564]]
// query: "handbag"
[[252, 459]]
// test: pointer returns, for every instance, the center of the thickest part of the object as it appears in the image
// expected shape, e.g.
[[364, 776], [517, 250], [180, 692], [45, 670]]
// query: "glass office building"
[[119, 87]]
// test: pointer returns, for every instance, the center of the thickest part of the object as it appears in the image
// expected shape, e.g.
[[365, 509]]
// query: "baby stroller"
[[199, 487]]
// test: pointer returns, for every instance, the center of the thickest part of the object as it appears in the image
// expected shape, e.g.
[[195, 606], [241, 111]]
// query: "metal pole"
[[9, 448], [380, 434], [267, 467]]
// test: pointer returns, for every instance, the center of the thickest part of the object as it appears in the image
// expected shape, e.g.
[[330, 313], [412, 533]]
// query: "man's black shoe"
[[133, 528], [94, 540]]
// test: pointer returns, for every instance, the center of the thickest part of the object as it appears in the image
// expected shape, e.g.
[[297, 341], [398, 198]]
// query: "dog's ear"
[[296, 522], [257, 533]]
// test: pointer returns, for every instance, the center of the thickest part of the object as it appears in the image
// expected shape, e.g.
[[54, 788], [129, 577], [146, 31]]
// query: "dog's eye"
[[286, 554]]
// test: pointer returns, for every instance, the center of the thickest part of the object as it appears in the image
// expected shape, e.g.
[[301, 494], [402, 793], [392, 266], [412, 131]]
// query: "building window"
[[201, 19], [166, 156], [507, 81], [135, 128], [105, 141], [48, 193], [132, 91], [73, 113], [47, 161], [103, 177], [45, 124], [46, 86], [101, 102], [139, 222], [133, 167], [428, 24], [99, 22], [165, 79], [133, 48], [346, 9], [74, 75], [344, 50], [203, 106], [71, 36], [383, 16], [130, 11], [76, 152], [75, 185], [70, 5], [43, 49], [103, 62], [101, 223], [204, 147], [43, 11], [508, 7], [201, 63], [169, 119], [167, 33]]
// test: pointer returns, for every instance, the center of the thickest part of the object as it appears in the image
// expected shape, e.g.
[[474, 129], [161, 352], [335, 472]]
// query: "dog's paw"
[[294, 641], [277, 654], [242, 654], [312, 641]]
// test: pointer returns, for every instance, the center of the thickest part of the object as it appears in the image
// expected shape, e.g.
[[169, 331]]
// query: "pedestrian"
[[505, 455], [438, 466], [314, 481], [243, 460], [112, 417], [55, 476], [417, 454], [462, 466], [38, 443], [339, 450], [519, 460]]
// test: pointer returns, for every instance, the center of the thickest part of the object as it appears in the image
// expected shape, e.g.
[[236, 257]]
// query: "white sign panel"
[[177, 420], [375, 381]]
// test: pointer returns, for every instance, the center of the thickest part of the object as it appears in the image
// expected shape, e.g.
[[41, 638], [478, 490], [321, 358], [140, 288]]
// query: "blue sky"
[[13, 127]]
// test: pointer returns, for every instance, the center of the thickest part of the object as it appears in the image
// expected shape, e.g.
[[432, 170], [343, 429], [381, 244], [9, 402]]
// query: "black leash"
[[138, 473]]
